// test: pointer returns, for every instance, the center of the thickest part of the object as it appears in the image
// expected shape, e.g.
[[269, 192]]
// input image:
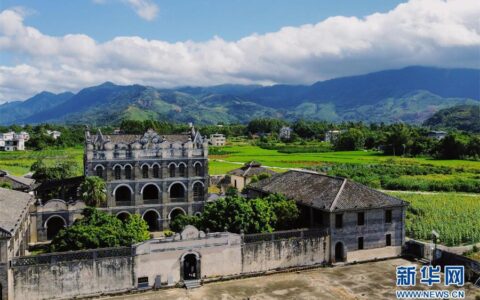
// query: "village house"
[[439, 135], [11, 141], [362, 223], [217, 139], [241, 177], [54, 134], [14, 231], [285, 133], [332, 135]]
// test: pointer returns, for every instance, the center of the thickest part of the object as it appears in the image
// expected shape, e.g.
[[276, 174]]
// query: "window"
[[198, 170], [388, 216], [181, 170], [338, 220], [198, 191], [156, 171], [118, 172], [145, 171], [142, 282], [360, 218], [172, 170], [99, 171], [388, 240], [128, 172], [360, 243]]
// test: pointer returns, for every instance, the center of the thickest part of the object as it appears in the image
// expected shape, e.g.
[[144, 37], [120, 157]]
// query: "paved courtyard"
[[362, 281]]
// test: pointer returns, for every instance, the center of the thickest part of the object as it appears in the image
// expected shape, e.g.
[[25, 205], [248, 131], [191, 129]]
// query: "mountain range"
[[411, 95]]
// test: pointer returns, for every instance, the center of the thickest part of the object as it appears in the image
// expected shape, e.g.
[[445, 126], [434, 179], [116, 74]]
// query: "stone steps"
[[191, 284]]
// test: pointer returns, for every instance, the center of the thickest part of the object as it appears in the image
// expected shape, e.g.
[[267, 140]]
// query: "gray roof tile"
[[325, 192], [13, 205]]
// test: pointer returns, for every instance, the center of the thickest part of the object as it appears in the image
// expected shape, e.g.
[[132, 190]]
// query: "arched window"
[[156, 171], [99, 171], [123, 195], [128, 172], [150, 192], [198, 192], [198, 170], [118, 172], [172, 170], [181, 170], [177, 192], [145, 171]]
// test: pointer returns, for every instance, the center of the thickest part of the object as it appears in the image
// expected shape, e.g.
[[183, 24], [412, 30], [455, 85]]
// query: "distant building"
[[217, 139], [54, 134], [285, 133], [14, 231], [362, 222], [241, 177], [332, 135], [11, 141], [439, 135]]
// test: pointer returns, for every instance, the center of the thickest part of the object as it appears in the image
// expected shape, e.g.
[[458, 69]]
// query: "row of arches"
[[151, 191], [55, 223], [149, 171]]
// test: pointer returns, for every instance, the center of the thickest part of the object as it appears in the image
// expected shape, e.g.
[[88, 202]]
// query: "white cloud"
[[145, 9], [420, 32]]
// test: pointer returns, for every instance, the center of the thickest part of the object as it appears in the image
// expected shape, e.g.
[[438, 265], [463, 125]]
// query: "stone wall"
[[63, 276], [265, 255]]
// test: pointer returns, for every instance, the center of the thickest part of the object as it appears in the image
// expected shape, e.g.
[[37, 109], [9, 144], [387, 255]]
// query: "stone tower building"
[[157, 176]]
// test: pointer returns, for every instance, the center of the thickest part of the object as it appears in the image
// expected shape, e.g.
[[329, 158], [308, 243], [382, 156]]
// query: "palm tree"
[[93, 191]]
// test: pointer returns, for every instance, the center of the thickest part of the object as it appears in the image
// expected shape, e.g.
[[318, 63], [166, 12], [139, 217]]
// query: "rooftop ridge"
[[332, 207]]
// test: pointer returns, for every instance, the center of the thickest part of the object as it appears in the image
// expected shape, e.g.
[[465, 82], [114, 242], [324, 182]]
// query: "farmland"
[[19, 162], [243, 152], [455, 216]]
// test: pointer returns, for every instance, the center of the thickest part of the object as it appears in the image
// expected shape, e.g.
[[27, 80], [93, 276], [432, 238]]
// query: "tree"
[[398, 139], [93, 191], [235, 214], [98, 229], [60, 170], [453, 146], [352, 139], [286, 211]]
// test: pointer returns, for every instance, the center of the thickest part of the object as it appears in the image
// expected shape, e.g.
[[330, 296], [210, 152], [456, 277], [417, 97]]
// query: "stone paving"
[[363, 281]]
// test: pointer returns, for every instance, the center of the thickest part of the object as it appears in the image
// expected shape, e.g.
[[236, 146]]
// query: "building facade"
[[14, 231], [218, 139], [241, 177], [362, 223], [157, 176], [11, 141]]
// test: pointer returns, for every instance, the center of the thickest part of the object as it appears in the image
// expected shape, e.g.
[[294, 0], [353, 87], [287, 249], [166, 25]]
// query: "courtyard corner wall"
[[75, 274], [265, 252]]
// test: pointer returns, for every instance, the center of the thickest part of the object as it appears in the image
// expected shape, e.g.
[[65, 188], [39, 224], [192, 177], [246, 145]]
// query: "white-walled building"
[[11, 141]]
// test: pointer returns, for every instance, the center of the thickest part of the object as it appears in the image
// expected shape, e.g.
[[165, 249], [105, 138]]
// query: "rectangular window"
[[142, 282], [388, 240], [360, 243], [388, 216], [338, 220], [360, 218]]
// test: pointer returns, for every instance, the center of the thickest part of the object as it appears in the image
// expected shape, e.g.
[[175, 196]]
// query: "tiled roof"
[[13, 205], [325, 192], [25, 181], [251, 171]]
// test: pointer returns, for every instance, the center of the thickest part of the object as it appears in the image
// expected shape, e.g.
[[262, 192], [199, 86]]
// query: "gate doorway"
[[339, 253], [191, 267]]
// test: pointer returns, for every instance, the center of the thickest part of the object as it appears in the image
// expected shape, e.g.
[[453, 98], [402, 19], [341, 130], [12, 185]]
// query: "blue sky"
[[66, 45], [180, 20]]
